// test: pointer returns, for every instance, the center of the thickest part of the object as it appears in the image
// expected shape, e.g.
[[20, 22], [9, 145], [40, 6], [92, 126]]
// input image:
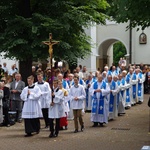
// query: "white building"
[[103, 38], [9, 62]]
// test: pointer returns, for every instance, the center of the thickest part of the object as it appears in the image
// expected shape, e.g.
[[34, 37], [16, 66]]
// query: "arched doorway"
[[105, 52]]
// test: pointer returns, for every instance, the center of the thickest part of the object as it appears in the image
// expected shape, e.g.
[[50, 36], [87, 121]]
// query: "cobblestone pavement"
[[127, 132]]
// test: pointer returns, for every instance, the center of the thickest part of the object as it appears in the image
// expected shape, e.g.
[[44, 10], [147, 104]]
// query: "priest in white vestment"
[[121, 95], [139, 85], [89, 82], [112, 97], [99, 91]]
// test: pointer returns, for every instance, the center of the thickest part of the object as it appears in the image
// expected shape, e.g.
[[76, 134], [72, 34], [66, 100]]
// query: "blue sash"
[[64, 84], [87, 92], [111, 102], [95, 100], [94, 79], [134, 86], [109, 73], [140, 86], [70, 82], [128, 78], [81, 81], [118, 94], [127, 90], [127, 96], [123, 83]]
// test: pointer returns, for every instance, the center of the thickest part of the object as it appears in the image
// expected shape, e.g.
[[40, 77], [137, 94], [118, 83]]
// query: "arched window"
[[143, 38]]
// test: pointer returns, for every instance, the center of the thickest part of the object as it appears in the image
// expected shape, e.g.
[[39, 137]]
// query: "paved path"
[[128, 132]]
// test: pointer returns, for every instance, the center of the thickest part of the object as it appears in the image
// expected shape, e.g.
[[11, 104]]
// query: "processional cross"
[[50, 43]]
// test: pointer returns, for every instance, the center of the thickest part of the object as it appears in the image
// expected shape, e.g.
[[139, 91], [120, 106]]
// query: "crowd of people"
[[67, 95]]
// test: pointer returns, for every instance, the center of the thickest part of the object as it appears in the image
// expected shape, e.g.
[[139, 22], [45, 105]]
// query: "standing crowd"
[[106, 94]]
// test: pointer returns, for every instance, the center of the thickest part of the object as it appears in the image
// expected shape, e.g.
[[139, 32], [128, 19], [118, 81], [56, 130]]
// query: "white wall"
[[141, 52], [9, 62]]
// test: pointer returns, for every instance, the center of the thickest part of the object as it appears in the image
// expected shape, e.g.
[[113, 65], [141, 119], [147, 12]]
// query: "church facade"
[[137, 45]]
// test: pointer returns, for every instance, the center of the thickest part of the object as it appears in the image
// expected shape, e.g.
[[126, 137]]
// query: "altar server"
[[56, 109], [31, 108], [45, 97]]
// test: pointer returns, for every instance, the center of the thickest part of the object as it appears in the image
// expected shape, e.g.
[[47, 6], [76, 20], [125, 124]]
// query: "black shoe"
[[66, 128], [28, 135], [46, 127], [19, 121], [38, 132], [8, 125], [76, 130], [128, 107], [61, 128], [95, 124], [119, 114], [139, 102], [51, 135], [55, 135], [82, 128], [101, 125]]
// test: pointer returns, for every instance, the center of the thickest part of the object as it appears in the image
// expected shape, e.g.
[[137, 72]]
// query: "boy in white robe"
[[31, 108], [44, 98], [70, 83], [56, 109]]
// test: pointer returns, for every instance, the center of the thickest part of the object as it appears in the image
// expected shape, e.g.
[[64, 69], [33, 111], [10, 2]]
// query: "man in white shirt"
[[77, 95]]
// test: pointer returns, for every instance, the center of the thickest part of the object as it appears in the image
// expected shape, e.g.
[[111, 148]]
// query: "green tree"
[[26, 23], [119, 51], [136, 11]]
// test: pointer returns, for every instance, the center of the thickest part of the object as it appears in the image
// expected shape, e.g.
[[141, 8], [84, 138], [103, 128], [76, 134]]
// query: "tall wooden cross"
[[50, 43]]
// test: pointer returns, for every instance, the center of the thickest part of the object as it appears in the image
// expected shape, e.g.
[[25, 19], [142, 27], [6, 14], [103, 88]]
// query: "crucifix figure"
[[50, 43]]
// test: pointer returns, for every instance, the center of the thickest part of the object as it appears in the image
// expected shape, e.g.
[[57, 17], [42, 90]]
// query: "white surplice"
[[31, 107], [45, 94], [57, 110]]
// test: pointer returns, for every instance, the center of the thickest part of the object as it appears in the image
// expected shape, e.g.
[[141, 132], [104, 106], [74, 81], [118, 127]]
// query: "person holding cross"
[[56, 109]]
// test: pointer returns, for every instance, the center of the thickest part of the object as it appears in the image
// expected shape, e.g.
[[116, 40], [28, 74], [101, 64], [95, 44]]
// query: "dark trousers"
[[6, 116], [32, 125], [45, 116], [17, 106], [57, 125]]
